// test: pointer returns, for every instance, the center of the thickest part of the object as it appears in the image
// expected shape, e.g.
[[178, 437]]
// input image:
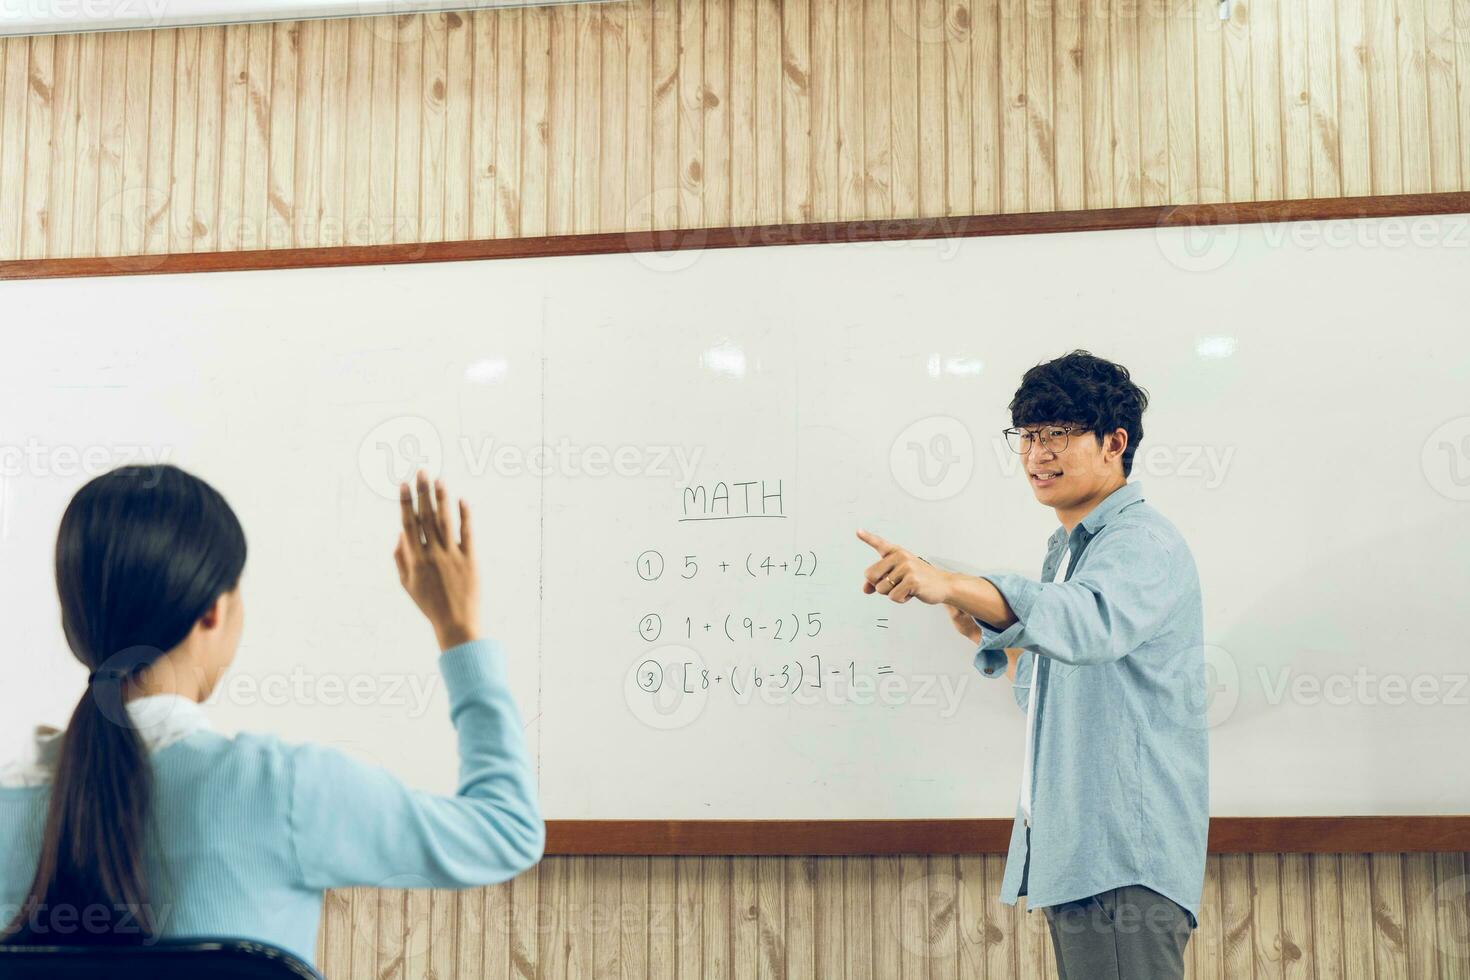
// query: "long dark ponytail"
[[142, 553]]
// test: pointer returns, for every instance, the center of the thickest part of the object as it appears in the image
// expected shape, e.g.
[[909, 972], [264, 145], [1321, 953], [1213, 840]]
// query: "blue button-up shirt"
[[1120, 787]]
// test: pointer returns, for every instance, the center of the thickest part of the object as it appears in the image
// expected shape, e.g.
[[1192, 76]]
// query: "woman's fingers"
[[400, 557], [441, 514], [430, 522], [427, 520], [438, 575], [411, 531], [464, 527]]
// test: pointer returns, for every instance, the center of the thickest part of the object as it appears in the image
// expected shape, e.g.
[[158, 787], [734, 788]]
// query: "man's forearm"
[[981, 599]]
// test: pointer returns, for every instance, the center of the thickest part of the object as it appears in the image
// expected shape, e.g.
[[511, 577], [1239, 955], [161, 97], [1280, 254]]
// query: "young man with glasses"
[[1106, 657]]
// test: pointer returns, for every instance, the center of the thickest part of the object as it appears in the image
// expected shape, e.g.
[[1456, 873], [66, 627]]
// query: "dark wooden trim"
[[898, 229], [1228, 835]]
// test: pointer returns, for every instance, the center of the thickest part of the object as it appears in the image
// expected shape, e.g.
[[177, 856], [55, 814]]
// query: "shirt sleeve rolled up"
[[1115, 601], [991, 662]]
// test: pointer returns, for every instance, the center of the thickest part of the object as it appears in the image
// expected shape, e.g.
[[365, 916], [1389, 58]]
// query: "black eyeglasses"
[[1054, 438]]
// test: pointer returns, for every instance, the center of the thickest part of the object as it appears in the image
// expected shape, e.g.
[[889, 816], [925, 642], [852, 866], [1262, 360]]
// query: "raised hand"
[[437, 572]]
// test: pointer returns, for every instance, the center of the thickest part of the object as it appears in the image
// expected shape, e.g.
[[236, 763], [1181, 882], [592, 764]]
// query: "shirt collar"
[[160, 720], [163, 719], [1128, 493]]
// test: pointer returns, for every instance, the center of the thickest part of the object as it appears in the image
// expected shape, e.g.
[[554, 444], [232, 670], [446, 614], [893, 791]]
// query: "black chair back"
[[166, 959]]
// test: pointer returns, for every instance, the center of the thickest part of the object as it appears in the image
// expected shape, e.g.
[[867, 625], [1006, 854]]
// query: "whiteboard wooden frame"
[[696, 239], [1230, 835]]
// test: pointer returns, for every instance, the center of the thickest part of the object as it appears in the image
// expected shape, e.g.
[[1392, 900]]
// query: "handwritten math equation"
[[736, 628], [651, 566], [691, 676], [748, 587]]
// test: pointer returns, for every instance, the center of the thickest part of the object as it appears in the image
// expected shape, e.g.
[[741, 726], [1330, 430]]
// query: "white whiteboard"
[[1309, 434]]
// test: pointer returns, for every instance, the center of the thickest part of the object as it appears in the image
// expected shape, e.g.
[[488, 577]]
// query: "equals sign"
[[883, 622], [885, 670]]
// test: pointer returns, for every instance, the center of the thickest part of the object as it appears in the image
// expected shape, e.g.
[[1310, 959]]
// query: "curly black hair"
[[1082, 389]]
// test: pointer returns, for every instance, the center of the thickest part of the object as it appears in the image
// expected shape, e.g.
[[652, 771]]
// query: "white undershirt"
[[160, 719], [1031, 716]]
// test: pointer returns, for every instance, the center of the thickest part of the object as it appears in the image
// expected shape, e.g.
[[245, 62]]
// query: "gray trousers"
[[1127, 933]]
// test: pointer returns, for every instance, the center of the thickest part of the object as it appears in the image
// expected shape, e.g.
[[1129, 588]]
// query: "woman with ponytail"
[[139, 821]]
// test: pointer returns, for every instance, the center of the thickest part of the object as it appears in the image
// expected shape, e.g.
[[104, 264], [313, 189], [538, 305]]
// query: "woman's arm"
[[355, 824]]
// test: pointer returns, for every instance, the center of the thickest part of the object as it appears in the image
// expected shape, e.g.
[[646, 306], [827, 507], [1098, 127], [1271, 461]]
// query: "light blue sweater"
[[251, 829]]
